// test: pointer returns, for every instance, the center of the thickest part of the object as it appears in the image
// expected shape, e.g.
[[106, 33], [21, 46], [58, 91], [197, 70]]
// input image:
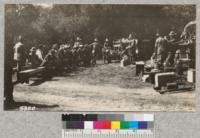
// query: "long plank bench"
[[24, 75]]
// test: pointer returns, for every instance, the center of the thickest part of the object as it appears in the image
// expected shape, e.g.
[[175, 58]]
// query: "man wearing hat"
[[106, 50], [172, 47], [106, 43], [135, 44], [34, 58], [157, 35], [96, 48], [80, 54], [160, 52], [172, 36], [130, 36], [49, 63], [68, 57], [40, 51], [61, 52], [55, 48], [74, 56], [19, 53], [75, 51], [153, 46], [78, 42], [131, 48]]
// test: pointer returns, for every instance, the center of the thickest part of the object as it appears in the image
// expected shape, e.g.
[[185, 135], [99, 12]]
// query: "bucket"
[[191, 75]]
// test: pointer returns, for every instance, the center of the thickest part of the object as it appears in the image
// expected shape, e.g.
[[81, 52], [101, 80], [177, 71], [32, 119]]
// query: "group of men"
[[60, 57], [70, 56], [130, 49], [167, 50]]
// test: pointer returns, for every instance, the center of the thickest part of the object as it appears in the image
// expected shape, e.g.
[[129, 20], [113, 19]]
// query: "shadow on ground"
[[17, 105], [38, 81]]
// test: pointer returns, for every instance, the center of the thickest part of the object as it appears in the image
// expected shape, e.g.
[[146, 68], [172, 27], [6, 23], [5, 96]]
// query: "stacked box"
[[191, 75], [161, 79]]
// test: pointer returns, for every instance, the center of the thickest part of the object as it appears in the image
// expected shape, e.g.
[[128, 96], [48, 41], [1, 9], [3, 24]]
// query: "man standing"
[[19, 54], [106, 51], [75, 51], [95, 50], [135, 47], [131, 48], [106, 43], [49, 63], [80, 54], [161, 51], [78, 42], [67, 57], [172, 47], [40, 52], [55, 48]]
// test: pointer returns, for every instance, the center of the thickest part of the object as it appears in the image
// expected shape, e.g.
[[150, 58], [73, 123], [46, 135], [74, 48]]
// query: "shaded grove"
[[61, 23]]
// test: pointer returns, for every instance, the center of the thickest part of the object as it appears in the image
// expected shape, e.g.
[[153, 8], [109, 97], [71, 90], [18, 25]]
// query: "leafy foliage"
[[61, 23]]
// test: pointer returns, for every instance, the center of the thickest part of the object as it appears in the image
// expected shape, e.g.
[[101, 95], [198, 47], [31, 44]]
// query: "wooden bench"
[[24, 75], [152, 75]]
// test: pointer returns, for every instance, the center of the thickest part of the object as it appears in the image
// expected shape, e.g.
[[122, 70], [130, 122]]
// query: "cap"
[[130, 36], [172, 33], [96, 40], [81, 45], [33, 49], [55, 46], [78, 39]]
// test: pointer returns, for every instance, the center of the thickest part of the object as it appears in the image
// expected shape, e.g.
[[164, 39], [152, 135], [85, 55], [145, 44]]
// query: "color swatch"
[[108, 121]]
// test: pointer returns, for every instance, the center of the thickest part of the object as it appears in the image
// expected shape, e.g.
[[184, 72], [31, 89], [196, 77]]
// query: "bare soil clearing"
[[102, 88]]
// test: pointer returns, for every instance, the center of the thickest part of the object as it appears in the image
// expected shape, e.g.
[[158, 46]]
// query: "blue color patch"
[[133, 125], [142, 125]]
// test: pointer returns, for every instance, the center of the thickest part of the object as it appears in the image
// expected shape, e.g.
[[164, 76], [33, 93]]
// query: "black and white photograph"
[[99, 57]]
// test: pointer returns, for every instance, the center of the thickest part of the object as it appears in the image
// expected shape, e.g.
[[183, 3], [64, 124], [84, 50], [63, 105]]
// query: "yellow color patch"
[[115, 125]]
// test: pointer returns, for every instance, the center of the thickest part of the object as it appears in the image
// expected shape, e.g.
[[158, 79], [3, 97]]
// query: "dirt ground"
[[101, 88]]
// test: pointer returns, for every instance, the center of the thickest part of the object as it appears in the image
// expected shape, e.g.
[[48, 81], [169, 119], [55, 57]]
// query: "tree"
[[179, 15]]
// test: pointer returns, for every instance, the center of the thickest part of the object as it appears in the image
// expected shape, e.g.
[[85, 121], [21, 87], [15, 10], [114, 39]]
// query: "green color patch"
[[124, 125]]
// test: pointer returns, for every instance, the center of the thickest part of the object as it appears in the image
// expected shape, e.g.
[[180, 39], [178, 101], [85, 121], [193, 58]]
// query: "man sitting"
[[34, 58]]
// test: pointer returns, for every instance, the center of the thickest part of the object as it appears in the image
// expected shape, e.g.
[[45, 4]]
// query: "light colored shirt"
[[39, 53], [17, 52]]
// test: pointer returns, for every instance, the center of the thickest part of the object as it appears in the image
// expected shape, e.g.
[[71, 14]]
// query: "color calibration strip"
[[108, 125]]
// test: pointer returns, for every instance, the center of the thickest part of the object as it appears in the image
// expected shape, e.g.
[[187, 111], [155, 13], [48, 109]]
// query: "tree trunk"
[[8, 60]]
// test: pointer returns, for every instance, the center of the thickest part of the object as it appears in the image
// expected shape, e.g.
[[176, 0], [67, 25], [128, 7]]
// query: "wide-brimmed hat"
[[157, 34], [178, 51], [127, 47], [67, 46], [75, 46], [78, 39], [62, 46], [130, 36], [20, 38], [193, 37], [55, 46], [80, 45], [33, 49], [52, 51], [172, 33], [96, 40], [40, 46]]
